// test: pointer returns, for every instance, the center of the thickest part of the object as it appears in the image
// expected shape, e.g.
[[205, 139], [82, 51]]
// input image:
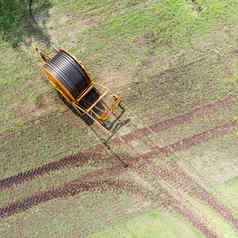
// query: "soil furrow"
[[163, 152], [187, 143]]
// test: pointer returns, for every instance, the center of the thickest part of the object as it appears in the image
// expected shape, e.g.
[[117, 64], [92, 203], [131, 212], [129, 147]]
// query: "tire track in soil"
[[176, 206], [201, 226], [85, 156], [118, 169], [161, 198], [166, 199], [70, 161], [186, 143], [14, 207], [173, 174], [8, 135], [70, 188], [196, 139], [185, 118]]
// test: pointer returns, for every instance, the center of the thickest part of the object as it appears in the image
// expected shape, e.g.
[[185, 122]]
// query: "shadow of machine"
[[23, 21], [93, 102]]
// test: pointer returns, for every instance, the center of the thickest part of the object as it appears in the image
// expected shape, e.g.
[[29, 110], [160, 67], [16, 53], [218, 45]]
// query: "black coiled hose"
[[69, 73]]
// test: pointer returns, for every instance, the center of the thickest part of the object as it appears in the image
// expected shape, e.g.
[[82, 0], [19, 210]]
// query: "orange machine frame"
[[99, 118]]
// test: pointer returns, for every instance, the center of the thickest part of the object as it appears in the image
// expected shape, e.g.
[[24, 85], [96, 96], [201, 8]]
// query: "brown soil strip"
[[178, 120], [164, 199], [173, 174], [201, 226], [198, 138], [70, 161], [197, 112], [86, 185], [82, 158], [215, 204], [196, 6], [73, 188], [104, 173], [69, 189], [186, 143], [137, 134]]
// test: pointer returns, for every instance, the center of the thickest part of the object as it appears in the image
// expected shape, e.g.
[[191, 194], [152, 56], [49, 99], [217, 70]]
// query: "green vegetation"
[[116, 36], [229, 192], [17, 21], [169, 55], [215, 221], [150, 225], [171, 21]]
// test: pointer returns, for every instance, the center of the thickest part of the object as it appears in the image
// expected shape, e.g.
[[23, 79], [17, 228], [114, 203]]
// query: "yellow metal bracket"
[[94, 112]]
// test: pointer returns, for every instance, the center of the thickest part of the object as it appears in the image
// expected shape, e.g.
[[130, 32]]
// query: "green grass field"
[[153, 224], [165, 58], [109, 37]]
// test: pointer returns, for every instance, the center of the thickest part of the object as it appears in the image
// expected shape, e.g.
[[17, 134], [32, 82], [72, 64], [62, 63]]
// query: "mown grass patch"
[[214, 221], [150, 225], [110, 40], [172, 21], [229, 191]]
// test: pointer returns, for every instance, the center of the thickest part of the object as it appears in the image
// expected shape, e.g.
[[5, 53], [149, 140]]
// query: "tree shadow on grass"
[[24, 20]]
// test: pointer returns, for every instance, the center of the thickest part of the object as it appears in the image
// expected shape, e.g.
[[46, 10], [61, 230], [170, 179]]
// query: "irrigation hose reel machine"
[[70, 78]]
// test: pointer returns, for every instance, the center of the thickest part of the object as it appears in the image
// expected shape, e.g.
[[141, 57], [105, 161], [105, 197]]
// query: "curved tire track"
[[84, 157], [69, 189]]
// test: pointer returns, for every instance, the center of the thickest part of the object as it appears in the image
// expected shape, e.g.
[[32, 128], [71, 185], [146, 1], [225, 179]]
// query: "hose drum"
[[69, 72]]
